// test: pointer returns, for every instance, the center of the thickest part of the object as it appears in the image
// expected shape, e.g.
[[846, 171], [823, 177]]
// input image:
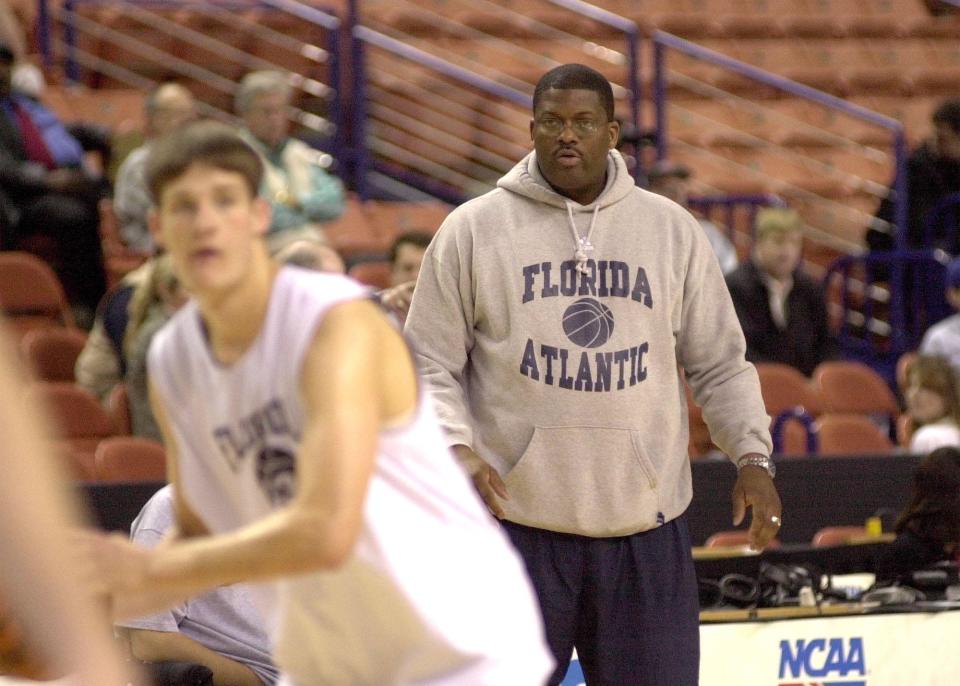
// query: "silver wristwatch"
[[758, 461]]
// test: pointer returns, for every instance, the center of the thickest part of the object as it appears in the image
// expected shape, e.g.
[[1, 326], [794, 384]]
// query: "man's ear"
[[613, 131], [153, 223]]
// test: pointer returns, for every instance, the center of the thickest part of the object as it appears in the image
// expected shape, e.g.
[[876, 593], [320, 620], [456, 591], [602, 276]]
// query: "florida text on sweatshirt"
[[553, 336]]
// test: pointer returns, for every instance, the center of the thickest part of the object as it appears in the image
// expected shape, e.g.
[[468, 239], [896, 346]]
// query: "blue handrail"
[[795, 413], [921, 270]]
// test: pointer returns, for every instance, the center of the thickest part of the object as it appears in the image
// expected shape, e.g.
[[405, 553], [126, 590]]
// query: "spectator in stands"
[[406, 256], [781, 309], [153, 302], [167, 108], [101, 365], [302, 194], [46, 198], [933, 404], [311, 254], [928, 530], [672, 181], [943, 338], [933, 172], [220, 630]]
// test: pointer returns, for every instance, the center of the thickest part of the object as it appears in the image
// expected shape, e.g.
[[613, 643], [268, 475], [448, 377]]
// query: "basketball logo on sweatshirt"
[[588, 323], [276, 474]]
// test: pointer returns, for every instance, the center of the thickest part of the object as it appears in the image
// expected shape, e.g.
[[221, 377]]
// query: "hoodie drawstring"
[[584, 246]]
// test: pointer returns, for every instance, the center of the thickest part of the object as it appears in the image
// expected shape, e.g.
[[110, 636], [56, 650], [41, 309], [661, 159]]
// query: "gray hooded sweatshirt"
[[553, 335]]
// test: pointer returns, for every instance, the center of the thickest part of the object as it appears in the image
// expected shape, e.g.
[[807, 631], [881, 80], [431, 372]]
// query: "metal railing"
[[848, 285], [421, 84], [77, 29]]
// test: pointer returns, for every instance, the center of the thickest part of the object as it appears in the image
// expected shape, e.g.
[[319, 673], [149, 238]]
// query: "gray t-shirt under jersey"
[[223, 620]]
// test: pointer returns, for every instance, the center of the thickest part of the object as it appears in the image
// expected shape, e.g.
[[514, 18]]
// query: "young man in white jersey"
[[303, 455]]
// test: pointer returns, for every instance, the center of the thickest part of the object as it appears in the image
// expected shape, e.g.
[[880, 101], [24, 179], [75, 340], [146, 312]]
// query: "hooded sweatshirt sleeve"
[[440, 325], [710, 348]]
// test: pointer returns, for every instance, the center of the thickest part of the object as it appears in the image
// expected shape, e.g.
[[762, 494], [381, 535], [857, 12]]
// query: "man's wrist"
[[758, 460]]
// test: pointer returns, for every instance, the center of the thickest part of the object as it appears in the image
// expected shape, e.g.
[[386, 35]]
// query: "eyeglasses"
[[554, 126]]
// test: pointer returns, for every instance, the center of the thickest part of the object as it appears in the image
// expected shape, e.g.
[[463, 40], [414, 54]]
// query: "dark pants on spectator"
[[73, 227], [628, 604]]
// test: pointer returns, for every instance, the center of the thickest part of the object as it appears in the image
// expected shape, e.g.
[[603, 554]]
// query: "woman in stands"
[[933, 404], [928, 530]]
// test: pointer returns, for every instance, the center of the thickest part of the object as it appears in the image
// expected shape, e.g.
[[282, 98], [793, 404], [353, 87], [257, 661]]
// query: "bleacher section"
[[436, 108]]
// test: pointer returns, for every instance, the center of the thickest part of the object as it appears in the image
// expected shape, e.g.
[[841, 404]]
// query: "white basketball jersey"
[[433, 587]]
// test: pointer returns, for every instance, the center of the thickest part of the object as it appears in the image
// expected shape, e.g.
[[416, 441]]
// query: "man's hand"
[[755, 489], [397, 299], [485, 479]]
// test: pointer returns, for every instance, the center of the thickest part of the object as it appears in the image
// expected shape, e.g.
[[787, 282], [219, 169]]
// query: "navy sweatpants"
[[629, 604]]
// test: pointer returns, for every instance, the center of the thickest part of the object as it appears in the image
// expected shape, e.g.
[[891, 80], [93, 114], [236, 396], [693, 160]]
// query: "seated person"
[[220, 630], [302, 194], [406, 256], [672, 181], [167, 108], [933, 404], [311, 254], [943, 338], [101, 364], [153, 302], [46, 196], [928, 530], [780, 308]]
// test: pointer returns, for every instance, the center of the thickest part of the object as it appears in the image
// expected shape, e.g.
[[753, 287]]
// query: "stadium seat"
[[784, 387], [735, 537], [853, 387], [31, 296], [52, 353], [851, 434], [118, 405], [129, 458], [837, 535], [78, 421]]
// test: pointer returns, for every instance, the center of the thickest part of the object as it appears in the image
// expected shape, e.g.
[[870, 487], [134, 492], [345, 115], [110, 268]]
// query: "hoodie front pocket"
[[595, 481]]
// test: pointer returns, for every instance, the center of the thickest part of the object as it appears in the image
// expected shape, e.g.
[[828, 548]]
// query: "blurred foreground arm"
[[38, 577]]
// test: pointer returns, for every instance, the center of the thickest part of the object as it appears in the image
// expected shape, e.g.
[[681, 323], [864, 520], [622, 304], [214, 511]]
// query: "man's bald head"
[[169, 107]]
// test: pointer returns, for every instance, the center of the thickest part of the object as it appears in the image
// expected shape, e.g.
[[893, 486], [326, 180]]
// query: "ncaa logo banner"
[[919, 649]]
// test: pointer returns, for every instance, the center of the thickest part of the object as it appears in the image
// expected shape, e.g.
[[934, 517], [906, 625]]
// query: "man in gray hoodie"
[[554, 319]]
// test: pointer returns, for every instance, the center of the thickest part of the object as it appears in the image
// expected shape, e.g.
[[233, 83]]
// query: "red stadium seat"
[[129, 458], [851, 434], [735, 537], [118, 404], [837, 535], [52, 353], [31, 296], [784, 388], [78, 420], [853, 387]]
